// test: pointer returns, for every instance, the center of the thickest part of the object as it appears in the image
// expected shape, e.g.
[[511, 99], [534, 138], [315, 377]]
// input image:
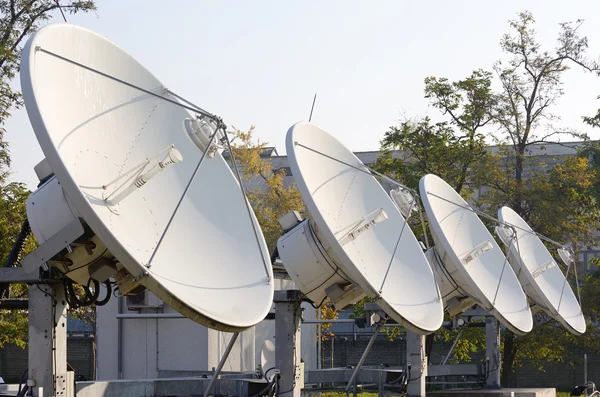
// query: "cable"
[[108, 294], [265, 374], [87, 264], [61, 11], [47, 294], [193, 109], [21, 381], [269, 386], [320, 304], [15, 254], [274, 255], [323, 252], [89, 297]]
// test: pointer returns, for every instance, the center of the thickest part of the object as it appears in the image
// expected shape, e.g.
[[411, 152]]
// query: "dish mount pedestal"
[[417, 364], [287, 341], [47, 358]]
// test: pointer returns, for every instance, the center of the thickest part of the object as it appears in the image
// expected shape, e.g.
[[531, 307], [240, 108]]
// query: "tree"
[[18, 20], [328, 312], [455, 149], [531, 83], [272, 198]]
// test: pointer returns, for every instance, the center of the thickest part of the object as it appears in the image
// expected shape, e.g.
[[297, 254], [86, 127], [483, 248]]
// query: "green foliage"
[[271, 200], [13, 323], [455, 149], [472, 340], [531, 82], [18, 20]]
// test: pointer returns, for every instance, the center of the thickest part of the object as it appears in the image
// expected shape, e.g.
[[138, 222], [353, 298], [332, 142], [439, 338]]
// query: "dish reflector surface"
[[472, 256], [92, 129], [542, 278], [338, 196]]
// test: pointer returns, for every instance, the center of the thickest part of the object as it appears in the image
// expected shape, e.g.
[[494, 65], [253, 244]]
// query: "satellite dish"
[[538, 272], [468, 261], [356, 242], [267, 359], [124, 159]]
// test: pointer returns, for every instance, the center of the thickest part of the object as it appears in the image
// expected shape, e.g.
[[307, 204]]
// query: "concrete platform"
[[518, 392], [228, 385]]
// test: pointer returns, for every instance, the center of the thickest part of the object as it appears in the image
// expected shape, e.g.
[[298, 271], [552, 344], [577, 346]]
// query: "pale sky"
[[260, 62]]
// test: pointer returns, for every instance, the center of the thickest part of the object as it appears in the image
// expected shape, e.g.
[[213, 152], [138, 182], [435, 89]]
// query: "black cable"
[[17, 249], [15, 254], [21, 381], [93, 297], [323, 251], [89, 297], [322, 301], [22, 393], [274, 255], [269, 386], [398, 379], [277, 386], [108, 294], [47, 294], [87, 264], [265, 374]]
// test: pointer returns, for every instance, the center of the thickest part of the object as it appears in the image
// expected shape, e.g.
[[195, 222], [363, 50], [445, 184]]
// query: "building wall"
[[80, 356], [153, 348]]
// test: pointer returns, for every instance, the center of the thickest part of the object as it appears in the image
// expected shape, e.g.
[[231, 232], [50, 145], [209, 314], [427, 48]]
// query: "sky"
[[260, 62]]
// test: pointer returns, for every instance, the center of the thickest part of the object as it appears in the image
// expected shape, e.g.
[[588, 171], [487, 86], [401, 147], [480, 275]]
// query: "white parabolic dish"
[[337, 196], [541, 276], [209, 265], [472, 257]]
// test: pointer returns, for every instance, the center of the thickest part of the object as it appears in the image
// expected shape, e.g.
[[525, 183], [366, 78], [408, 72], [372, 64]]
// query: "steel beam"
[[14, 275], [14, 304]]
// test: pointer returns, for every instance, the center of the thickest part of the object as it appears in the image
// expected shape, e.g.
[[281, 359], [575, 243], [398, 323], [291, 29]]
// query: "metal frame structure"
[[48, 374]]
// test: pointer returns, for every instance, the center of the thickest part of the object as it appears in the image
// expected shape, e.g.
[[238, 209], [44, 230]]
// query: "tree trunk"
[[510, 350]]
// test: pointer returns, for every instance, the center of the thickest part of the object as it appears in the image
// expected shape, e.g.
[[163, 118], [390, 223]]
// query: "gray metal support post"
[[492, 351], [48, 375], [287, 342], [415, 355]]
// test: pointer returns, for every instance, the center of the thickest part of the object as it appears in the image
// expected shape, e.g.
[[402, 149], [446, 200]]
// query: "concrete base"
[[171, 387], [518, 392]]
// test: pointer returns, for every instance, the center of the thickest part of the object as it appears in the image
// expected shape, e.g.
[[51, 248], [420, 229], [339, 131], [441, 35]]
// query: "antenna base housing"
[[312, 269]]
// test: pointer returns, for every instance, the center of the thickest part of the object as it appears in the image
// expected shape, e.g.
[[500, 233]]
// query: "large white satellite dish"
[[126, 159], [471, 263], [538, 272], [356, 242]]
